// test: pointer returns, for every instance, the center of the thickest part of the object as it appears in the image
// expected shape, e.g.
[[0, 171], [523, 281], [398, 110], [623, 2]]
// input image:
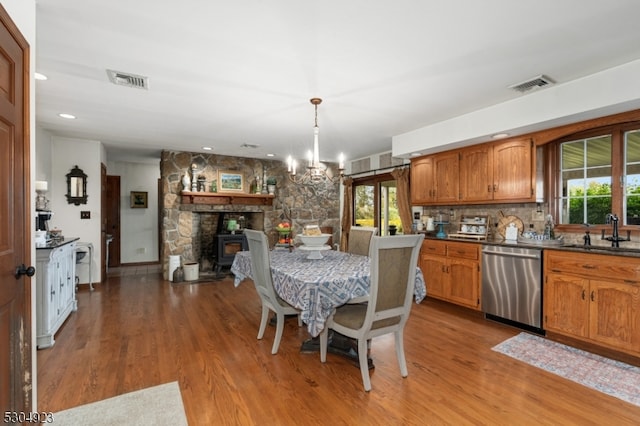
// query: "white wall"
[[604, 93], [86, 154], [138, 227]]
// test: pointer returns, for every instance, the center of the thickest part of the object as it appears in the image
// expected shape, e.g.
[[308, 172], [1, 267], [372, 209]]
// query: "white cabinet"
[[55, 289]]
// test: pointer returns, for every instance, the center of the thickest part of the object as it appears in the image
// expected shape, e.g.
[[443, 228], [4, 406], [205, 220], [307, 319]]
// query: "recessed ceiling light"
[[67, 116], [39, 76], [271, 155], [207, 148], [500, 135]]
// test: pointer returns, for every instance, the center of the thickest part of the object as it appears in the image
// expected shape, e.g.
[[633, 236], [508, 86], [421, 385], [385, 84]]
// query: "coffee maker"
[[42, 220]]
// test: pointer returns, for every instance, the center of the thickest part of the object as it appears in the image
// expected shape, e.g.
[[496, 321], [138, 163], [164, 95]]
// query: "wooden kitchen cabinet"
[[500, 171], [595, 298], [491, 172], [452, 271], [434, 179], [422, 184]]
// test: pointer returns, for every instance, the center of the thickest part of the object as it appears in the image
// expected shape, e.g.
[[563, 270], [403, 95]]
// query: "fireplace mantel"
[[226, 198]]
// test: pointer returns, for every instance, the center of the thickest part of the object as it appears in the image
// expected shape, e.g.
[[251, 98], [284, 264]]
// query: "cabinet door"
[[566, 304], [435, 276], [513, 170], [464, 282], [422, 186], [446, 172], [614, 317], [476, 173]]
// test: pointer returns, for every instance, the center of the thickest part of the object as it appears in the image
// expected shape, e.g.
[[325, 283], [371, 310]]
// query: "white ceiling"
[[224, 74]]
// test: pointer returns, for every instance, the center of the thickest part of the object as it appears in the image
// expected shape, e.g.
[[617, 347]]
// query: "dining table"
[[316, 286]]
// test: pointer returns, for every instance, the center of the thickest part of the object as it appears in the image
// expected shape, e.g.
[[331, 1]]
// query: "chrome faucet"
[[615, 239]]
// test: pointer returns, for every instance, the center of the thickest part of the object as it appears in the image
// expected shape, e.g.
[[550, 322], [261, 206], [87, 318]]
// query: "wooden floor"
[[137, 331]]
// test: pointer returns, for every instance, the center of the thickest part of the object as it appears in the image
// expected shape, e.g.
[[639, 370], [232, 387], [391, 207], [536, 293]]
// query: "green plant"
[[271, 180]]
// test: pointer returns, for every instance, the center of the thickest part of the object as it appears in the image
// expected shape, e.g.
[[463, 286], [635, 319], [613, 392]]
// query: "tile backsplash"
[[530, 217]]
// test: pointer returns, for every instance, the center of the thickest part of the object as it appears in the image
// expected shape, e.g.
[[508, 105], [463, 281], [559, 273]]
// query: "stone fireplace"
[[191, 220]]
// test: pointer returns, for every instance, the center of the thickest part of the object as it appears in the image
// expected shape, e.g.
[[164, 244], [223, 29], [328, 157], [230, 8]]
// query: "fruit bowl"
[[314, 240]]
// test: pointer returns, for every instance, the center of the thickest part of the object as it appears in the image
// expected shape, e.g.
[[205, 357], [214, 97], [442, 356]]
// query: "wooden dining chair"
[[360, 239], [393, 274], [261, 274]]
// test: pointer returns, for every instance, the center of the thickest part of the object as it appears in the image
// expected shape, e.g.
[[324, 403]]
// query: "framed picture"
[[230, 181], [138, 200]]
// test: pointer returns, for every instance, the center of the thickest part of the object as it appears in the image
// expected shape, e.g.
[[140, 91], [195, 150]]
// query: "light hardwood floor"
[[137, 330]]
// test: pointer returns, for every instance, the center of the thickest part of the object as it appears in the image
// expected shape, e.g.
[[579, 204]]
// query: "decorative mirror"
[[76, 187]]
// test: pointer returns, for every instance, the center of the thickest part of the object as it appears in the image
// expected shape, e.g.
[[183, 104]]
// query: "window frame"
[[553, 178]]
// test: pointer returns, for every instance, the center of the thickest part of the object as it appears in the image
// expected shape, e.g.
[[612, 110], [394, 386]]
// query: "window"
[[586, 180], [598, 174], [375, 203]]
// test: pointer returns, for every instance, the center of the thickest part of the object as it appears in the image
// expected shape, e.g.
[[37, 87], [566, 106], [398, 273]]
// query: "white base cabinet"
[[55, 290]]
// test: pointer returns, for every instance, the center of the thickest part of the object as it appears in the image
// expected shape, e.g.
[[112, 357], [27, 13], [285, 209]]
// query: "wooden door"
[[446, 172], [476, 173], [566, 304], [513, 176], [422, 186], [614, 314], [464, 282], [113, 219], [103, 221], [15, 225]]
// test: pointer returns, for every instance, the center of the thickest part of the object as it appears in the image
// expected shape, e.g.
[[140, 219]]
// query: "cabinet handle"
[[588, 267], [583, 294], [631, 282], [495, 188], [488, 188], [593, 299]]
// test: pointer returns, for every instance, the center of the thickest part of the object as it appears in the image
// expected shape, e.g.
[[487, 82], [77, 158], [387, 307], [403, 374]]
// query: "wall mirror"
[[76, 187]]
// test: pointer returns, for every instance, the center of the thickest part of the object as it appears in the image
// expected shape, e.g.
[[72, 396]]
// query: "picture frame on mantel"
[[230, 181], [139, 199]]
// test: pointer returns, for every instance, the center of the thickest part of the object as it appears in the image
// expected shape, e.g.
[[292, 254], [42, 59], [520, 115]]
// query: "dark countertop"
[[576, 248], [57, 243]]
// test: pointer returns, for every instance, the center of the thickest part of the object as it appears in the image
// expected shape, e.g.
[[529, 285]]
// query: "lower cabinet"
[[452, 271], [595, 298], [55, 290]]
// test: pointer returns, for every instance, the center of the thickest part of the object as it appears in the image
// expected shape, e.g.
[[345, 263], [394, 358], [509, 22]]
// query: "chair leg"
[[279, 330], [402, 362], [263, 321], [364, 364], [324, 337]]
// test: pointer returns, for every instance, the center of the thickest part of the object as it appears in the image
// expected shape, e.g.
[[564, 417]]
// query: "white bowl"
[[314, 240]]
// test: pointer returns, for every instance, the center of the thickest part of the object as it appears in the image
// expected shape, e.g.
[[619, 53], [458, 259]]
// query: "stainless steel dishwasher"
[[512, 285]]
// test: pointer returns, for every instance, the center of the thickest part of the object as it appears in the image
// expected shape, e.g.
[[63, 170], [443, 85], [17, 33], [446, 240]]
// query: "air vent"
[[248, 145], [128, 80], [533, 83]]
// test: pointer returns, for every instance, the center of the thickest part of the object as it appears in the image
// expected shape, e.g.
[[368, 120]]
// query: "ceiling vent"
[[249, 145], [534, 83], [128, 79]]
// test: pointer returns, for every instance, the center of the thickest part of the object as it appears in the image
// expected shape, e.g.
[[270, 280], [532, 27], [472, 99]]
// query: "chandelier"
[[315, 171]]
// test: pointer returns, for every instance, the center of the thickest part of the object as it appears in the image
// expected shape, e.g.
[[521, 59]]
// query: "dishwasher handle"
[[519, 255]]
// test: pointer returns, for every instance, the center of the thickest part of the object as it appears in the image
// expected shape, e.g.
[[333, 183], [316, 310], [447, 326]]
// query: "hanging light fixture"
[[315, 171]]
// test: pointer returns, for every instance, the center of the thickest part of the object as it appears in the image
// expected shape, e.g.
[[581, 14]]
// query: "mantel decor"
[[138, 200], [77, 187]]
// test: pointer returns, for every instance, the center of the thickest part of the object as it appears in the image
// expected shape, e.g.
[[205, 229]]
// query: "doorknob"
[[23, 270]]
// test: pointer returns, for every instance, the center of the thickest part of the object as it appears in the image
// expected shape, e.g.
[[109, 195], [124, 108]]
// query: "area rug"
[[158, 405], [611, 377]]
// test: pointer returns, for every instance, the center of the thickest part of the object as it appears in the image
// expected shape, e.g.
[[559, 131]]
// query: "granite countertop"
[[577, 248], [51, 244]]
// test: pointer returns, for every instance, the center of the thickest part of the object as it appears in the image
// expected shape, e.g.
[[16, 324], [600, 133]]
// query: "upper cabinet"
[[492, 172]]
